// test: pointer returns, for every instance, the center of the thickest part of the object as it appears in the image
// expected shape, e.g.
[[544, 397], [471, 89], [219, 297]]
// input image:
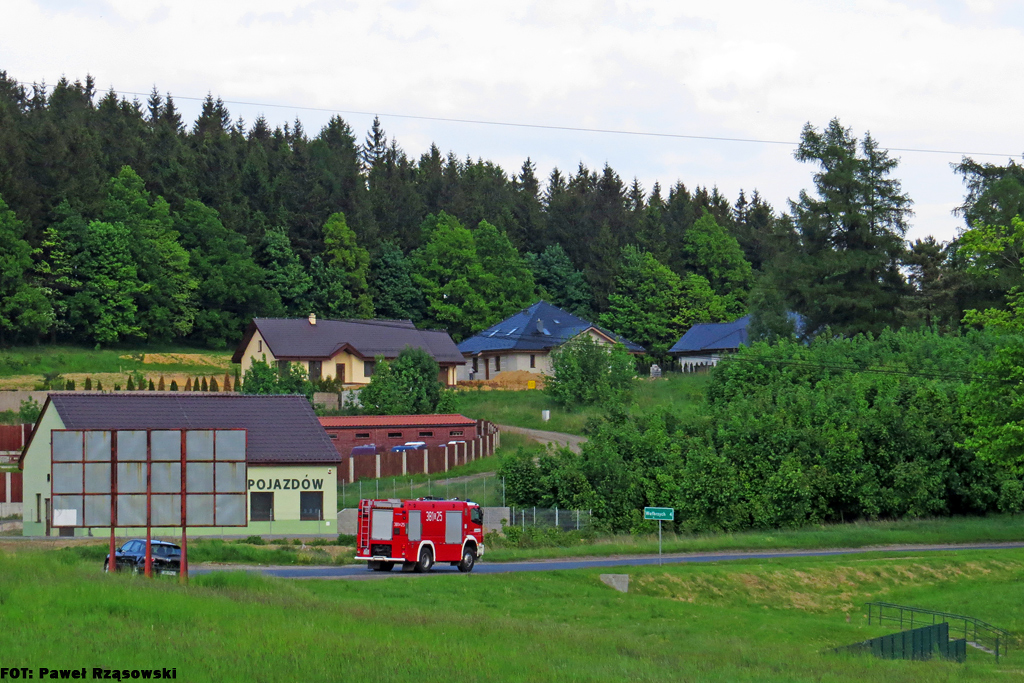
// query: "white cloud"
[[919, 73]]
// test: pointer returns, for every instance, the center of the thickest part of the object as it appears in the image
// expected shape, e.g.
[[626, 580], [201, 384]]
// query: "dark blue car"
[[132, 557]]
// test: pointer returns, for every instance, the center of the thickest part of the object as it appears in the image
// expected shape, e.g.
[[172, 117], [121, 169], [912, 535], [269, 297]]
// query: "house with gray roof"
[[342, 349], [525, 340], [291, 461]]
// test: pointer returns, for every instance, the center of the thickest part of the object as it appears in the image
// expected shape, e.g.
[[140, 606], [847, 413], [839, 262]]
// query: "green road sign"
[[660, 514]]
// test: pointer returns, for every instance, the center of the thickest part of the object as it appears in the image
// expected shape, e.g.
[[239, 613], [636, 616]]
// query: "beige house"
[[525, 340], [344, 349]]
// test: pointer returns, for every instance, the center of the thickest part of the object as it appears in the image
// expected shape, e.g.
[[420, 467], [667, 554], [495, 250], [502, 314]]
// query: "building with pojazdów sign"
[[291, 480]]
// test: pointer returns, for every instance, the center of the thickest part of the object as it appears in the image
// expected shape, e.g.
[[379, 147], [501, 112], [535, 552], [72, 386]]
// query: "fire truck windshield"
[[476, 515]]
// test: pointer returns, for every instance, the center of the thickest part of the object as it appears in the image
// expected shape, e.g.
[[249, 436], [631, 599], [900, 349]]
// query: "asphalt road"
[[485, 567]]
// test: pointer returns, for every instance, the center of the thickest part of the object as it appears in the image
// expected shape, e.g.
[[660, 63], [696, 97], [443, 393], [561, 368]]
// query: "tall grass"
[[681, 394], [39, 360], [936, 531], [751, 621]]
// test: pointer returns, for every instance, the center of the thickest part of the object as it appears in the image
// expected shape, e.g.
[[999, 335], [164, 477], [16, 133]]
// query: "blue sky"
[[939, 75]]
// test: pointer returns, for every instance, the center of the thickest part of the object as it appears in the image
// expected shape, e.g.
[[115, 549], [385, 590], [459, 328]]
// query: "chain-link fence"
[[487, 490], [566, 520]]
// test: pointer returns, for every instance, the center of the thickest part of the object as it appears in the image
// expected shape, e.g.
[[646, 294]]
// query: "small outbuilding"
[[525, 340], [291, 463]]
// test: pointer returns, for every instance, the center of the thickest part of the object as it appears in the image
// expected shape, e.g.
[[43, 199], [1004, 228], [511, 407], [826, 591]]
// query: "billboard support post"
[[112, 559], [149, 506], [183, 565]]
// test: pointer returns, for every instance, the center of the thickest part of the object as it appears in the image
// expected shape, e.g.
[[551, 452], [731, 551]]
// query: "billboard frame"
[[116, 495]]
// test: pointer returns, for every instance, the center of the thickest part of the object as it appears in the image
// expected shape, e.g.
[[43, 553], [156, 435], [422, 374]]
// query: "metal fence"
[[919, 643], [566, 520], [980, 634], [485, 490]]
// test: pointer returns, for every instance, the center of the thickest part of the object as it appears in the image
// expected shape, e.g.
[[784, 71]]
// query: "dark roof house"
[[539, 328], [706, 339], [291, 339], [282, 429]]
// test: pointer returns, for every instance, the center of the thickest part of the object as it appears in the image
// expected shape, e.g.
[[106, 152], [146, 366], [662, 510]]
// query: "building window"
[[497, 363], [261, 507], [368, 368], [394, 435], [455, 432], [282, 367], [426, 433], [311, 505], [533, 361], [476, 367], [339, 372], [333, 436], [316, 370], [362, 435], [259, 345]]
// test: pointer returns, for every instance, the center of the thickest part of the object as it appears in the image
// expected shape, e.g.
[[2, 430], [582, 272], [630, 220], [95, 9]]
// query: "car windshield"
[[165, 551]]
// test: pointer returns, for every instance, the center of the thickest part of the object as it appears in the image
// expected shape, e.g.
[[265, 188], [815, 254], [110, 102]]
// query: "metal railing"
[[978, 633], [566, 520]]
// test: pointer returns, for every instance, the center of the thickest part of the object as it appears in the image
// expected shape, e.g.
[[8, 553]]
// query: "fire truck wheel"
[[468, 560], [426, 560]]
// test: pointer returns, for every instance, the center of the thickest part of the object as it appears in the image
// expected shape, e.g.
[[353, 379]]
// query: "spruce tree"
[[846, 273]]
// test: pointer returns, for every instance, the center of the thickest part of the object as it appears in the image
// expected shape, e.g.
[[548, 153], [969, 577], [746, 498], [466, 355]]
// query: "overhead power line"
[[542, 126]]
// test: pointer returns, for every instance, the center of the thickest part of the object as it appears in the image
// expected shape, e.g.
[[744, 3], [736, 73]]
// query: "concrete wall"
[[11, 400]]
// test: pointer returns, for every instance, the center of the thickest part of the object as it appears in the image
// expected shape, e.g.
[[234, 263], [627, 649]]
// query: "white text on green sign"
[[664, 514]]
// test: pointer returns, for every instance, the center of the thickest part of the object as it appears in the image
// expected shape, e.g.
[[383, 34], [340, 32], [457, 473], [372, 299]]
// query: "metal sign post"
[[662, 515]]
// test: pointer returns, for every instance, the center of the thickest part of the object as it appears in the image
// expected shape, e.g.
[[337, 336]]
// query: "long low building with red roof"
[[387, 431]]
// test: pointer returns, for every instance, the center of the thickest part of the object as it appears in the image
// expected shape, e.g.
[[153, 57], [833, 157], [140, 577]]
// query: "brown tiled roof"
[[296, 338], [281, 429], [356, 421]]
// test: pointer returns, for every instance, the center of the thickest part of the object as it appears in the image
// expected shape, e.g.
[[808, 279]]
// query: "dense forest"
[[119, 223]]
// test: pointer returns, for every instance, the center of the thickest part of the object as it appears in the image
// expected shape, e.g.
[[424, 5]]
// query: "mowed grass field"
[[740, 621], [677, 392], [23, 367]]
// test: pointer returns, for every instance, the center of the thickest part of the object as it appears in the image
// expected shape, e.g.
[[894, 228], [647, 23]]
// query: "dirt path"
[[573, 441]]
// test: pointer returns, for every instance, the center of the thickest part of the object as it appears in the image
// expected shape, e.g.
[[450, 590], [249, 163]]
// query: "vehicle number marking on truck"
[[437, 516]]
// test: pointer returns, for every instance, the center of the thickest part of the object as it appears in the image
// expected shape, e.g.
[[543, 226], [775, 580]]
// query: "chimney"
[[312, 318]]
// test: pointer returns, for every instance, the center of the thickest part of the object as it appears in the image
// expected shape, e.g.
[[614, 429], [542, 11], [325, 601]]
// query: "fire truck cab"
[[418, 533]]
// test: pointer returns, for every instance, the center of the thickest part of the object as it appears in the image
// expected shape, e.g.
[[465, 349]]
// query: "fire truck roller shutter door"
[[415, 525], [453, 527], [381, 525]]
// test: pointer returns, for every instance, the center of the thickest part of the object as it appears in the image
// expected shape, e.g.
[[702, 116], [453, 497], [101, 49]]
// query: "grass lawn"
[[941, 530], [23, 367], [680, 393], [740, 621]]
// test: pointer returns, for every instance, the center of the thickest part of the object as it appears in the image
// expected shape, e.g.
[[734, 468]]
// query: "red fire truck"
[[418, 533]]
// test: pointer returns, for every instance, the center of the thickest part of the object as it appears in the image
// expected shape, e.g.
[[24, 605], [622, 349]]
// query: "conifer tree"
[[174, 385], [160, 384], [205, 386], [213, 384], [227, 382]]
